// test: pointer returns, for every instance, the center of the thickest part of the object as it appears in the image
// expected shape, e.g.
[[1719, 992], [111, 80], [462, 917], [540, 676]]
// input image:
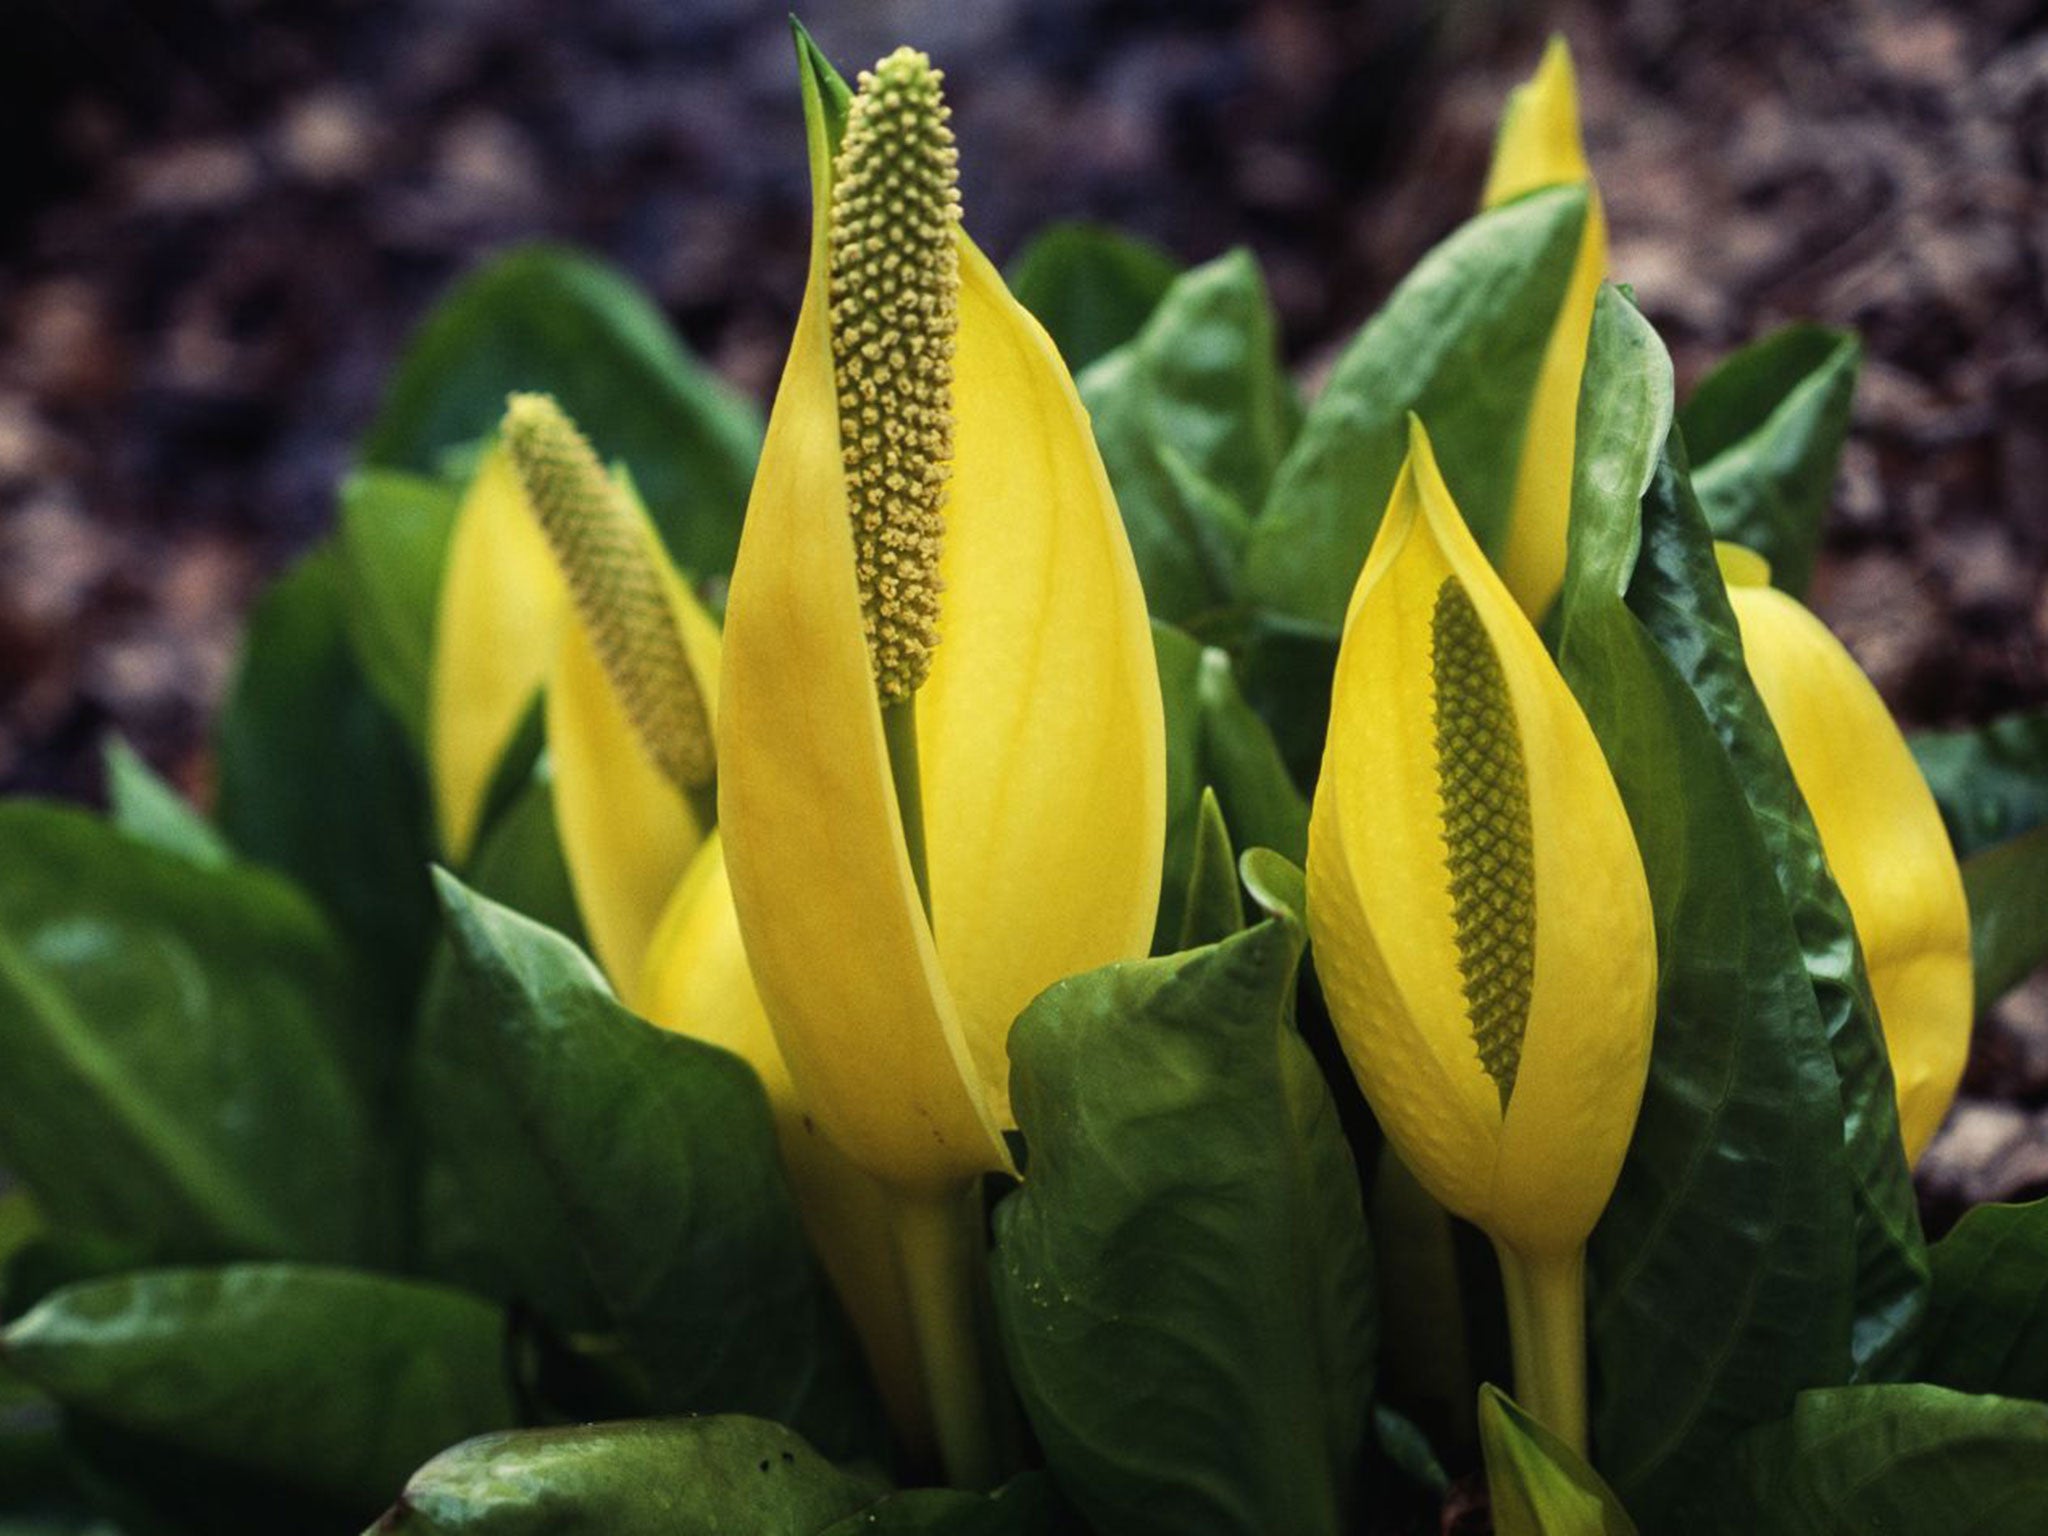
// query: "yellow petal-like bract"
[[494, 636], [1885, 844], [1539, 146], [1481, 920], [1039, 728]]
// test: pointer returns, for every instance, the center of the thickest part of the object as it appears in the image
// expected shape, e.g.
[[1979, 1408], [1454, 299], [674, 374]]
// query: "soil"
[[220, 217]]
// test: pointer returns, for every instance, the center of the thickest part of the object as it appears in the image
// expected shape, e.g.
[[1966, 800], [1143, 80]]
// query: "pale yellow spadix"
[[1539, 146], [495, 631], [1038, 722], [1481, 921], [1883, 836]]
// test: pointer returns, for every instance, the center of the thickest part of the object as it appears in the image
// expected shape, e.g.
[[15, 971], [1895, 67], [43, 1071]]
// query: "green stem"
[[939, 1243], [1546, 1297], [899, 734]]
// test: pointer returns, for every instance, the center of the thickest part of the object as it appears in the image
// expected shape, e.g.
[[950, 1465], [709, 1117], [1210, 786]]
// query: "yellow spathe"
[[1885, 844], [1040, 731], [1539, 146], [495, 632], [1537, 1173]]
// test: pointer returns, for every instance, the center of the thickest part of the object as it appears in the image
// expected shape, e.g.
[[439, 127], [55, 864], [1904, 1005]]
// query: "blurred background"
[[219, 219]]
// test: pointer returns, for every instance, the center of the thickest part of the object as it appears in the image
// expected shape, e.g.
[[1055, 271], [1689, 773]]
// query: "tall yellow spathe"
[[1883, 837], [1481, 920], [1539, 146], [1038, 730]]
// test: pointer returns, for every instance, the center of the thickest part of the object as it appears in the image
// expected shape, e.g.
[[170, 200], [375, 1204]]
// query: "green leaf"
[[1991, 781], [1215, 741], [318, 779], [547, 318], [1027, 1505], [1193, 416], [1679, 595], [1722, 1268], [174, 1042], [2007, 888], [1459, 343], [1191, 1235], [1214, 910], [629, 1178], [392, 545], [1766, 430], [331, 1381], [1539, 1486], [1090, 286], [1987, 1327], [142, 805], [1908, 1459], [1287, 667], [718, 1476]]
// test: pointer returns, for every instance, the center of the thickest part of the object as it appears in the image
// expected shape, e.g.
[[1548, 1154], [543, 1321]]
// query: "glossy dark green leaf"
[[1183, 1285], [2007, 888], [1679, 595], [1987, 1326], [175, 1043], [1214, 910], [1193, 416], [318, 779], [393, 544], [717, 1476], [333, 1381], [1721, 1271], [1215, 741], [1090, 286], [1887, 1458], [547, 318], [1026, 1506], [142, 805], [1765, 430], [1459, 343], [1991, 781], [1538, 1485], [629, 1177]]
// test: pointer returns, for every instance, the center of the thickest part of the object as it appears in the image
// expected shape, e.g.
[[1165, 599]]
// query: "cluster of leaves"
[[336, 1182]]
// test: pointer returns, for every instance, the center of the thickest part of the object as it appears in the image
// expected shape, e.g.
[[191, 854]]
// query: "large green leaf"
[[717, 1476], [318, 779], [1765, 430], [2007, 886], [1091, 287], [1214, 741], [546, 318], [1987, 1328], [1459, 343], [1537, 1484], [1888, 1458], [1722, 1268], [142, 805], [628, 1177], [1991, 781], [392, 545], [175, 1043], [1183, 1284], [1193, 416], [1679, 595], [332, 1381], [1026, 1506]]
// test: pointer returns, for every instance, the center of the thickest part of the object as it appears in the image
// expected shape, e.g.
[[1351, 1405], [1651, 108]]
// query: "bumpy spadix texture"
[[1883, 836], [1039, 731], [895, 274], [1481, 921], [615, 578], [1488, 846]]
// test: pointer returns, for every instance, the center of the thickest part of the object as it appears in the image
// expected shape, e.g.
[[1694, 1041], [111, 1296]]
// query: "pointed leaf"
[[1539, 1485], [142, 805], [1090, 286], [1191, 1234], [1214, 909]]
